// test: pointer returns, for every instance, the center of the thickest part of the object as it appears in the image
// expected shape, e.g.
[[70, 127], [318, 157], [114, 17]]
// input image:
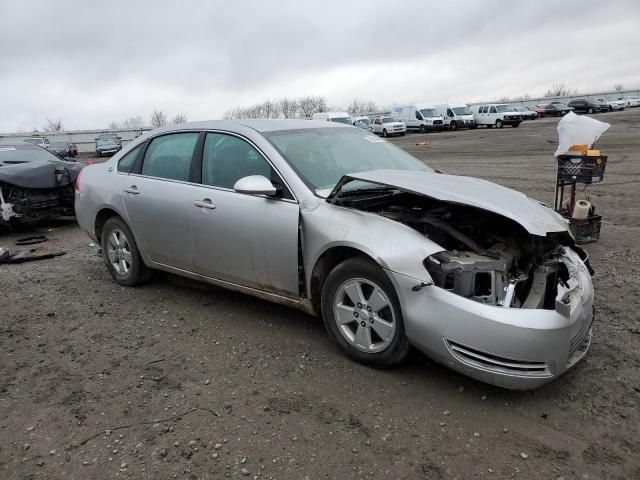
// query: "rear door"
[[250, 240], [158, 199]]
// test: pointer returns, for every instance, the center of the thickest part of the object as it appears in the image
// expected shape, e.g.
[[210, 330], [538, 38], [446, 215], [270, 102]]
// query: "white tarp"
[[578, 130]]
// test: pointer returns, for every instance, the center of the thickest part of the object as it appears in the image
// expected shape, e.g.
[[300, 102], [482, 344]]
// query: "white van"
[[340, 117], [498, 114], [420, 117], [456, 115]]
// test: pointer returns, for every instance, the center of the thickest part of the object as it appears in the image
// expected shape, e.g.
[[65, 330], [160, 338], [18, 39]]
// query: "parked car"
[[34, 183], [540, 110], [584, 105], [108, 143], [630, 101], [339, 117], [613, 104], [362, 122], [388, 126], [331, 220], [40, 141], [64, 149], [556, 109], [498, 114], [456, 115], [616, 104], [419, 117], [527, 113]]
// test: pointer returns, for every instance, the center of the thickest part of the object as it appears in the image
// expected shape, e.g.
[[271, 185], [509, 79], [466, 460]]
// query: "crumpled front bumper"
[[514, 348]]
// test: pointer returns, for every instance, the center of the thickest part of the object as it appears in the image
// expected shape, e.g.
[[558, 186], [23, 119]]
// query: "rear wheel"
[[590, 111], [361, 312], [121, 254], [499, 123], [423, 129]]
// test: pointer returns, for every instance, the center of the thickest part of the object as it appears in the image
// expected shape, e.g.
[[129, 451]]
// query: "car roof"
[[260, 125], [21, 145]]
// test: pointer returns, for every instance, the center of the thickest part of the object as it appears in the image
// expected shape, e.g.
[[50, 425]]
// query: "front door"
[[251, 240]]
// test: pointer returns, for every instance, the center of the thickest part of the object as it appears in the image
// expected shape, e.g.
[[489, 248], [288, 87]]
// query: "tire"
[[99, 154], [499, 123], [453, 125], [384, 133], [590, 111], [383, 333], [402, 134], [121, 254], [423, 129], [515, 125]]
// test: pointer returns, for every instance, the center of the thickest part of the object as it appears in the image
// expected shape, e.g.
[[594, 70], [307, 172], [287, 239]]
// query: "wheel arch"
[[326, 262]]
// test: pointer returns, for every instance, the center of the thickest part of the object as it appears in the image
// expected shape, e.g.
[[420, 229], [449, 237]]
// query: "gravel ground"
[[176, 379]]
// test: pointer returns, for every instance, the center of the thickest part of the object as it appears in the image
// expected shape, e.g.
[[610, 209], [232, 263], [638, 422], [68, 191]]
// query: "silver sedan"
[[337, 222]]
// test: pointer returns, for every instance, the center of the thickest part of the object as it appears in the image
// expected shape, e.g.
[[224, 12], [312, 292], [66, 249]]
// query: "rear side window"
[[226, 159], [169, 156], [126, 162]]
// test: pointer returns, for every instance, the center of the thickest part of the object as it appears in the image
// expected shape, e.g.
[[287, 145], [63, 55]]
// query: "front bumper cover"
[[514, 348]]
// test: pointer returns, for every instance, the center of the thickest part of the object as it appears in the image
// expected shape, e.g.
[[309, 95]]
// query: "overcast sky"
[[90, 63]]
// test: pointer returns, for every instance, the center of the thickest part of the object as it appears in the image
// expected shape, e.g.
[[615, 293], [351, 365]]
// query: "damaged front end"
[[33, 191], [487, 257], [508, 298]]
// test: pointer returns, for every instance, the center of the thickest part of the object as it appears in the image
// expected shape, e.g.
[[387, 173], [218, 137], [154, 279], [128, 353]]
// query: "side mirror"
[[255, 185]]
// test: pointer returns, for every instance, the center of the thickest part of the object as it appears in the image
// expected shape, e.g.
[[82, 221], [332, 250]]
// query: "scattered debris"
[[26, 255], [31, 240]]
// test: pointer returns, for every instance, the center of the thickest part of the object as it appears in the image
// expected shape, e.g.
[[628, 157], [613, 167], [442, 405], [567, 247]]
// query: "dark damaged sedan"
[[34, 183]]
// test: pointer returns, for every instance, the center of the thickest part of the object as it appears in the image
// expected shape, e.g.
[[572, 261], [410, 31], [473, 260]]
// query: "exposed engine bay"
[[487, 258], [31, 205]]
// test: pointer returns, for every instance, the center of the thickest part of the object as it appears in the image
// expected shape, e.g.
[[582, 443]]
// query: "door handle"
[[205, 203], [132, 189]]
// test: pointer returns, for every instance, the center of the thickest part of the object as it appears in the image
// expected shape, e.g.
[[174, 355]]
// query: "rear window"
[[126, 162]]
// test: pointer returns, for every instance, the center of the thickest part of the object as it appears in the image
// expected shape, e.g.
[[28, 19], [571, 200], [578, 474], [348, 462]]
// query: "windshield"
[[364, 121], [428, 113], [504, 108], [389, 119], [107, 138], [321, 156], [59, 145], [461, 110], [24, 153], [346, 120]]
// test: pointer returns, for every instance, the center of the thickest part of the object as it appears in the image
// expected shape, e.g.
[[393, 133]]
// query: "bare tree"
[[559, 89], [619, 87], [358, 106], [113, 125], [53, 126], [288, 107], [179, 118], [133, 122], [158, 119], [307, 106]]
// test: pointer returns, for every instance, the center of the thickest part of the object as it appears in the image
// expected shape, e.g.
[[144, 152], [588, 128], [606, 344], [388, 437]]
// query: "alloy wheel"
[[364, 315], [119, 252]]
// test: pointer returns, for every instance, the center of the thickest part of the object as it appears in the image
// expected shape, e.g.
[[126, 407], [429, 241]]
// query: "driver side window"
[[493, 110], [227, 158], [418, 115]]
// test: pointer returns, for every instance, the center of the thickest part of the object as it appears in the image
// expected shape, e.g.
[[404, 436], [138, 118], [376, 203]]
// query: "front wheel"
[[423, 129], [384, 133], [499, 123], [361, 312], [121, 254], [453, 125], [590, 111]]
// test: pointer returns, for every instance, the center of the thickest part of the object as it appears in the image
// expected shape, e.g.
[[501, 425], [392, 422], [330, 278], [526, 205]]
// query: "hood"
[[48, 174], [393, 124], [530, 214]]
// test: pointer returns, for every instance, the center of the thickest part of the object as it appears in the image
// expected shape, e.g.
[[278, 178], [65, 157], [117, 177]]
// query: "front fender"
[[393, 245]]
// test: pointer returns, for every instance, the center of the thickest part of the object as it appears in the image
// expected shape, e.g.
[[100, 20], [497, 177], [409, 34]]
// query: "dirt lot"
[[180, 380]]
